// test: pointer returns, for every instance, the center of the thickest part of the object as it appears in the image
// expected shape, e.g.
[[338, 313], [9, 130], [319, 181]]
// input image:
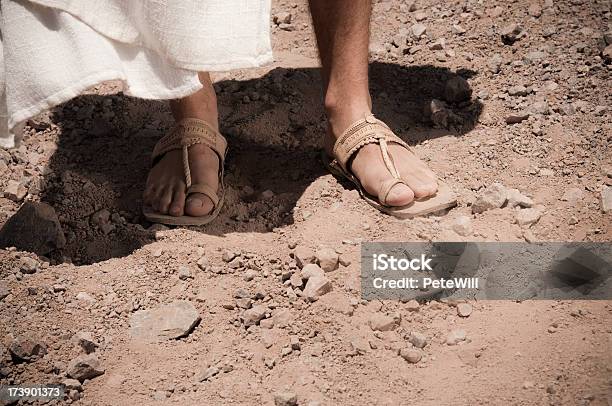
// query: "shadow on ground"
[[274, 125]]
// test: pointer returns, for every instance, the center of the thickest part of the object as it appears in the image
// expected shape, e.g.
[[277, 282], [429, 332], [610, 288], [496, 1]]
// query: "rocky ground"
[[509, 102]]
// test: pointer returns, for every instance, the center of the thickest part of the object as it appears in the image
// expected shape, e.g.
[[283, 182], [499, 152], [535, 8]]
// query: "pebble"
[[85, 367], [517, 117], [418, 30], [464, 309], [411, 355], [511, 33], [457, 90], [516, 198], [15, 191], [327, 259], [456, 336], [34, 228], [381, 322], [540, 107], [285, 399], [606, 199], [86, 341], [462, 225], [165, 322], [312, 270], [72, 384], [457, 29], [303, 256], [412, 306], [492, 197], [518, 90], [316, 287], [283, 18], [207, 373], [419, 340], [495, 63], [228, 255], [26, 350], [253, 315], [4, 291], [527, 217], [28, 265], [535, 10], [184, 273]]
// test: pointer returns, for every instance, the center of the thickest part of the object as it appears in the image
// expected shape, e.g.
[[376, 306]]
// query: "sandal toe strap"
[[205, 190], [385, 189]]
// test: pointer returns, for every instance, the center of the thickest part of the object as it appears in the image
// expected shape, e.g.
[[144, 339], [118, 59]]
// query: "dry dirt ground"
[[88, 159]]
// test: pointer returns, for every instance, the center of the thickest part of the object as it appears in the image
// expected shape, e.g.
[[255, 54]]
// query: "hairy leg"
[[343, 33]]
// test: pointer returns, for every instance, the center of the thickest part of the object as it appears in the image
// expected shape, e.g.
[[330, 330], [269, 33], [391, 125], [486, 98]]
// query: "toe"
[[399, 195], [198, 204], [165, 198], [423, 186], [177, 207]]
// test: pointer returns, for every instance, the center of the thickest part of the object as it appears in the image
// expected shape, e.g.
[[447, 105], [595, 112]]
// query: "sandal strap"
[[385, 189], [188, 132], [368, 130], [205, 190]]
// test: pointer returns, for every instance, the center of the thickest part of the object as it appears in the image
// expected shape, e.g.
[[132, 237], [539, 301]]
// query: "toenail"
[[193, 200]]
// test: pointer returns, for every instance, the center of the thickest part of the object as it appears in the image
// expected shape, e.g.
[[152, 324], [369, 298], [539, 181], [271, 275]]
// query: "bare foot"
[[165, 190], [368, 166]]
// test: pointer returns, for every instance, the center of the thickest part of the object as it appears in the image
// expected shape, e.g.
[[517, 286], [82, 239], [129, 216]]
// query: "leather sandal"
[[188, 132], [370, 130]]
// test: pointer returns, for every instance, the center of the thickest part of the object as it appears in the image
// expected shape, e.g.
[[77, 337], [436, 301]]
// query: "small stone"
[[457, 90], [516, 198], [317, 286], [540, 107], [327, 259], [511, 33], [295, 343], [253, 315], [72, 384], [296, 280], [311, 270], [411, 355], [204, 263], [606, 54], [84, 367], [344, 260], [228, 255], [4, 291], [528, 384], [527, 217], [463, 226], [15, 191], [517, 117], [492, 197], [495, 63], [285, 399], [86, 341], [606, 199], [464, 309], [165, 322], [457, 29], [420, 16], [535, 10], [26, 350], [28, 265], [267, 194], [184, 273], [518, 91], [100, 217], [303, 256], [413, 306], [456, 336], [283, 18], [419, 340], [418, 30], [206, 374], [85, 297], [381, 322], [34, 228]]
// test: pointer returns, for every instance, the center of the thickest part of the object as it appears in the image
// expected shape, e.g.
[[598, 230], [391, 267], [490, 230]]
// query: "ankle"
[[342, 111]]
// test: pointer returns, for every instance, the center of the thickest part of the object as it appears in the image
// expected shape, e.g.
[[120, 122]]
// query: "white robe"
[[53, 50]]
